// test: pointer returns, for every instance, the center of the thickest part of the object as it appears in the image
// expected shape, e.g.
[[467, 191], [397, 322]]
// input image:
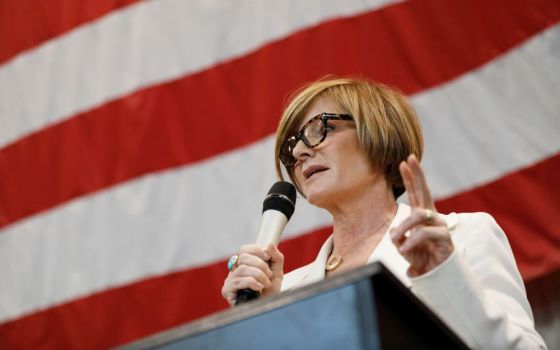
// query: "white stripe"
[[199, 214], [141, 45]]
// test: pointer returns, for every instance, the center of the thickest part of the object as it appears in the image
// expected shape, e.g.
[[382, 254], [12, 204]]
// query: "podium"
[[367, 308]]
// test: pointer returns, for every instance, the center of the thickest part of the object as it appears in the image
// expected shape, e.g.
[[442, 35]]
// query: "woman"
[[352, 146]]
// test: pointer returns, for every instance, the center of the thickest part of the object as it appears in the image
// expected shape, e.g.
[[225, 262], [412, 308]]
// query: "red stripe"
[[413, 45], [26, 23], [526, 204], [121, 315]]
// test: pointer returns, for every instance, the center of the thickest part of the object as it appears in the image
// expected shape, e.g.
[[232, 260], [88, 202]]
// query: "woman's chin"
[[318, 198]]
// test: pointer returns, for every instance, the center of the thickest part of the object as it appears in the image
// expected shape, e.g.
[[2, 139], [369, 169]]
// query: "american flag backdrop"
[[136, 141]]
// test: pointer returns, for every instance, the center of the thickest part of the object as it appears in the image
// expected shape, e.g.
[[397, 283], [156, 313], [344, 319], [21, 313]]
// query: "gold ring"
[[429, 217]]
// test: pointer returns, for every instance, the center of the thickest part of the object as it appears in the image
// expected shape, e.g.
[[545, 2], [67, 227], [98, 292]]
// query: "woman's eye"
[[330, 127]]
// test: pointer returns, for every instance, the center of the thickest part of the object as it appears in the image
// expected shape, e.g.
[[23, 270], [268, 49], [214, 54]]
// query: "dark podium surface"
[[367, 308]]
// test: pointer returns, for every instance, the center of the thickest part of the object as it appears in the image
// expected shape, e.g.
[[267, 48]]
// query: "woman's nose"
[[301, 151]]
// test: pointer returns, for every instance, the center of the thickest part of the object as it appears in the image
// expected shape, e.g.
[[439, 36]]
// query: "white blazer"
[[477, 291]]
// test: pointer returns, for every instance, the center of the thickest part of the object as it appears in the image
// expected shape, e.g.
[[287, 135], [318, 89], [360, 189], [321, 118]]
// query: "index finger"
[[423, 194], [254, 249], [408, 181]]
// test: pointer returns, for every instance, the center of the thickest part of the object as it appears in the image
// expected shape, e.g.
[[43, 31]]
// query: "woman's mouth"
[[312, 170]]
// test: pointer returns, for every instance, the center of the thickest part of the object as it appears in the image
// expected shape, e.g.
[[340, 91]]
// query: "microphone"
[[278, 207]]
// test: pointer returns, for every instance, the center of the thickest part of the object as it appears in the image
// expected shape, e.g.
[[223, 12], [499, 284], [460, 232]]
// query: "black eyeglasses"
[[312, 134]]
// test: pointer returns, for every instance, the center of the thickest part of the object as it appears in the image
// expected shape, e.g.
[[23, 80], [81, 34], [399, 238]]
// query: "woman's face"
[[336, 170]]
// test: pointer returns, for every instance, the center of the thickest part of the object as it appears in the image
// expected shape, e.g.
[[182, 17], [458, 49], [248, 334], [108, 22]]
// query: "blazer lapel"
[[316, 270], [387, 253]]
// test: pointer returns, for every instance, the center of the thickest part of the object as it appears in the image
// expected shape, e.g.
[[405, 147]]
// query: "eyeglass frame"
[[300, 135]]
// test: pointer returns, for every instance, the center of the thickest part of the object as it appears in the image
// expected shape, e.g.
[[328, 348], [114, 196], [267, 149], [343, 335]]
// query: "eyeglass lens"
[[311, 134]]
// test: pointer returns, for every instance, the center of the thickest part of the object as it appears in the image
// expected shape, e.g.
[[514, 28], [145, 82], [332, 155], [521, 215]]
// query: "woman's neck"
[[362, 221]]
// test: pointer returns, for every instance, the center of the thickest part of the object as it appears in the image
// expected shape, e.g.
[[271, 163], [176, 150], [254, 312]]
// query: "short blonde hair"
[[387, 126]]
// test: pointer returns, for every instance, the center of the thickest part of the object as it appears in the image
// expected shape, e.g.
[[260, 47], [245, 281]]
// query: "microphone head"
[[281, 197]]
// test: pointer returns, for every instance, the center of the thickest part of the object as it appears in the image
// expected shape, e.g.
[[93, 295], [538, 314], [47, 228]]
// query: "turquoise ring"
[[232, 262]]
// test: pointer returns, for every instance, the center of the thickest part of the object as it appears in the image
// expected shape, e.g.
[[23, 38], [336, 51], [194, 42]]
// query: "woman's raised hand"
[[261, 270], [423, 238]]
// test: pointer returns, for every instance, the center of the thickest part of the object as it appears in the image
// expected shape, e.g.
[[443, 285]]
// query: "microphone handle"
[[245, 295], [270, 229]]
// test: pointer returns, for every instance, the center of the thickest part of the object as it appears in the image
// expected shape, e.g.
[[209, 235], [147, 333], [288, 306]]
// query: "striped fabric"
[[136, 141]]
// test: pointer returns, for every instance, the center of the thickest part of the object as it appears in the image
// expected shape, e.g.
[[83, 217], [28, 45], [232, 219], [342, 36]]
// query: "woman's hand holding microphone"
[[261, 270]]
